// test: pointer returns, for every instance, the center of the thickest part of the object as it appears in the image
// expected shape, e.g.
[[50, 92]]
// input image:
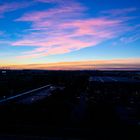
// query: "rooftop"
[[112, 79]]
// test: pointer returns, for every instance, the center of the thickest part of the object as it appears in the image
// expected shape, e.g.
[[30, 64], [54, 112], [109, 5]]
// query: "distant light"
[[3, 72]]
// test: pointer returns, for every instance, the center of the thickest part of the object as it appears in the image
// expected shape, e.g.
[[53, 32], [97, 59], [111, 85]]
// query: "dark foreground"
[[74, 105]]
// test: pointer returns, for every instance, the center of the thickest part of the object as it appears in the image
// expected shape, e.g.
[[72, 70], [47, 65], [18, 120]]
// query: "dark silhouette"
[[75, 104]]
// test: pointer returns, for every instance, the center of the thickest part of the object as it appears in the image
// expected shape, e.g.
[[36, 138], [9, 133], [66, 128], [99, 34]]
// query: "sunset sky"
[[70, 34]]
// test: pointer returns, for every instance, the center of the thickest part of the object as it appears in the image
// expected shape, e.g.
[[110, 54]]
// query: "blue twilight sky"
[[46, 31]]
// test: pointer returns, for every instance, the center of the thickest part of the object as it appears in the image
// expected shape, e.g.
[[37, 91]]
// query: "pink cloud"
[[50, 1], [129, 39], [65, 28], [75, 35], [58, 12], [61, 3], [9, 7], [116, 12], [57, 46]]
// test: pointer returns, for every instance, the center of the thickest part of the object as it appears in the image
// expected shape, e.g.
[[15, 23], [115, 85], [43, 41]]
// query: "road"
[[31, 96], [80, 109], [40, 95]]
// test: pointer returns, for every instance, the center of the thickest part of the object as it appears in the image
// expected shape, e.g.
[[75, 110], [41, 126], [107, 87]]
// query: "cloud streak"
[[66, 28], [13, 6], [51, 1], [119, 12], [115, 64]]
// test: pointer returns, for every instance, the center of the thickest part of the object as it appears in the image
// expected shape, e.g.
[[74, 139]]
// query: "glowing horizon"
[[118, 64], [70, 34]]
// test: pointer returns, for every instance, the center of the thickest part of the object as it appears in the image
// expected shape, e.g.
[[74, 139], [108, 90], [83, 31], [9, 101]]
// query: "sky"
[[70, 34]]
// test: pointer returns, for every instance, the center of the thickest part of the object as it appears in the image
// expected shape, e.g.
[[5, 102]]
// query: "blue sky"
[[46, 31]]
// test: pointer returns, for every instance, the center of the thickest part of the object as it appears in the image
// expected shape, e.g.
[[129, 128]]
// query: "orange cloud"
[[130, 64]]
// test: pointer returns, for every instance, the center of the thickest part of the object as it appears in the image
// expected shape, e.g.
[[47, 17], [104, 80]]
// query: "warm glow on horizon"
[[129, 64]]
